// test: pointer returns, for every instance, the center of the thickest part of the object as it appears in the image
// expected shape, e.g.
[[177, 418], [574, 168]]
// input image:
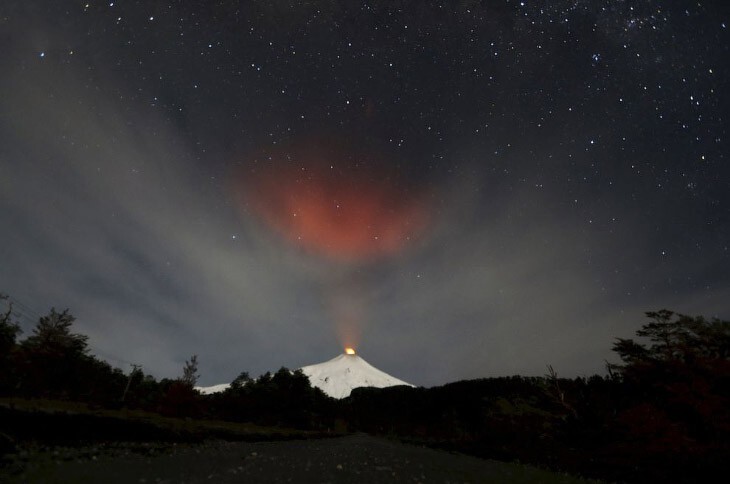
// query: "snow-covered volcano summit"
[[340, 375], [337, 377]]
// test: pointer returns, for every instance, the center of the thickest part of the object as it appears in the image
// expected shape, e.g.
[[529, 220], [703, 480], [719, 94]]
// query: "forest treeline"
[[663, 412]]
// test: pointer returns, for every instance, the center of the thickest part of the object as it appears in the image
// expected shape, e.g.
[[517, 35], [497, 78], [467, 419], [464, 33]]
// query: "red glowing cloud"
[[333, 201]]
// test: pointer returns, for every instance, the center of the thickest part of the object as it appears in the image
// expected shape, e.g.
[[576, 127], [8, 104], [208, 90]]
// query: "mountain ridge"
[[343, 373], [336, 377]]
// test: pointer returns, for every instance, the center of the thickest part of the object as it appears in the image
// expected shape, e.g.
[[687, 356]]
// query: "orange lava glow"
[[333, 201]]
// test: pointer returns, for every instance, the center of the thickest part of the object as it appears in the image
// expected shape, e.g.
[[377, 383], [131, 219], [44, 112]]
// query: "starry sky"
[[458, 189]]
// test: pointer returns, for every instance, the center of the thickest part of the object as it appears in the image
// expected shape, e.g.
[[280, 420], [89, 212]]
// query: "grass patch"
[[57, 422]]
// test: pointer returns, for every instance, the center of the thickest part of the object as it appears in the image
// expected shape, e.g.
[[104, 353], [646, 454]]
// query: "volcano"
[[340, 375], [337, 377]]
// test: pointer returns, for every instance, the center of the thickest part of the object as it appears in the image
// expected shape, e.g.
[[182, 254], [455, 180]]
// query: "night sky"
[[458, 189]]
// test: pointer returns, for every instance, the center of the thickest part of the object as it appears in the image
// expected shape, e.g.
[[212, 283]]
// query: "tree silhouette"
[[676, 339], [190, 371], [241, 380], [52, 335], [675, 383], [9, 330], [53, 361]]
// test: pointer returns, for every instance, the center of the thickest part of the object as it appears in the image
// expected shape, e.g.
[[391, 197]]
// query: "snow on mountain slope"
[[213, 389], [340, 375], [336, 377]]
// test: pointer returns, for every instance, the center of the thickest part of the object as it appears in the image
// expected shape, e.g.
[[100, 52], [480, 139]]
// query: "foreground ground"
[[353, 459]]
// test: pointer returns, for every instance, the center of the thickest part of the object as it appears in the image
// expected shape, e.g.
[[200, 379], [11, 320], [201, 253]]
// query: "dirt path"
[[354, 459]]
